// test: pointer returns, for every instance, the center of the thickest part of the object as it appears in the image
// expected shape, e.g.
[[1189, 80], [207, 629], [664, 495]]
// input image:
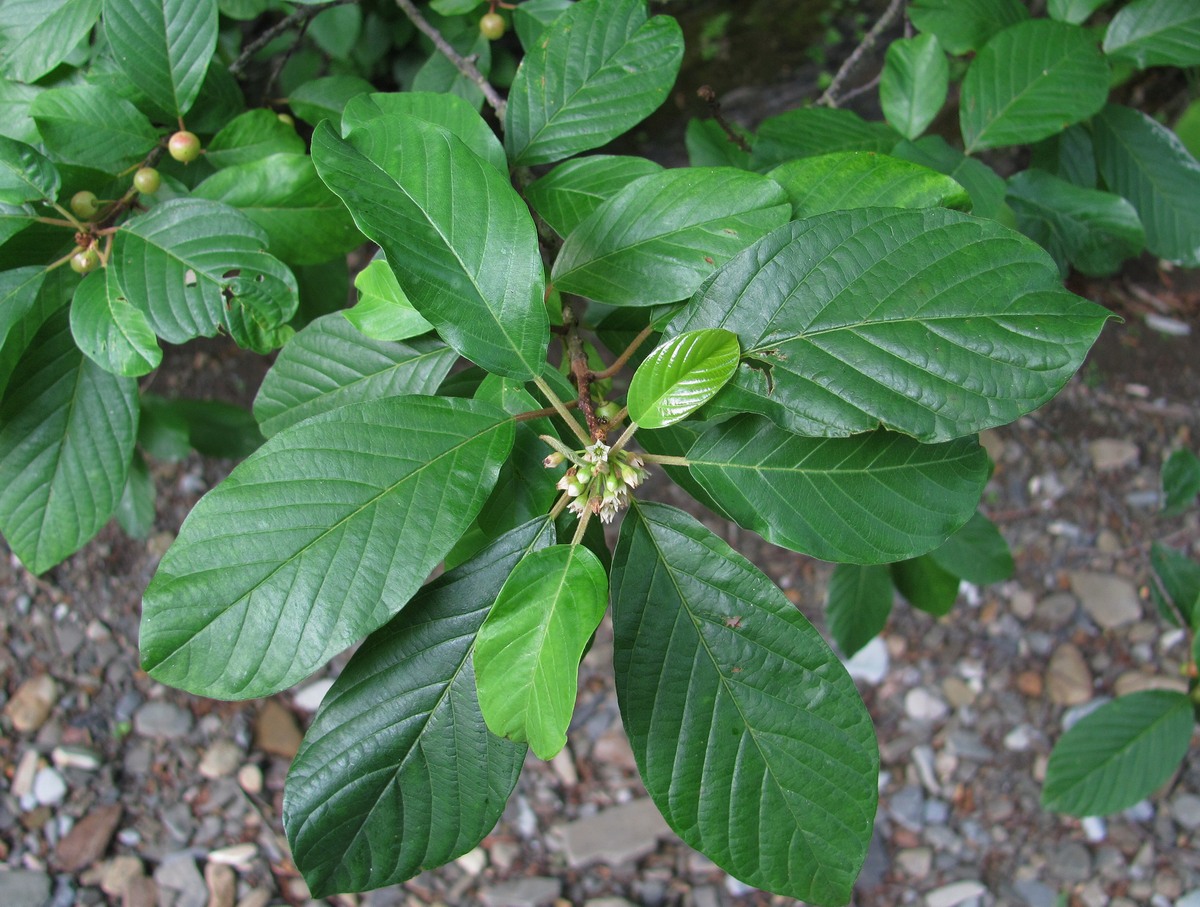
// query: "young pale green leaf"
[[598, 69], [445, 110], [1146, 163], [305, 223], [1180, 481], [1177, 585], [316, 539], [26, 175], [93, 126], [868, 499], [863, 179], [398, 771], [816, 130], [1156, 33], [194, 266], [926, 584], [251, 136], [331, 363], [857, 604], [37, 35], [111, 331], [164, 46], [569, 193], [532, 16], [962, 26], [916, 78], [976, 553], [326, 98], [135, 510], [383, 312], [528, 649], [657, 239], [928, 322], [1119, 754], [1092, 230], [1031, 81], [738, 711], [682, 375], [67, 432], [416, 190], [984, 185], [709, 145], [1075, 12]]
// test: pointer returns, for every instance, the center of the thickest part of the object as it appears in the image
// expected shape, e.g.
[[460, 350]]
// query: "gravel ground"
[[121, 791]]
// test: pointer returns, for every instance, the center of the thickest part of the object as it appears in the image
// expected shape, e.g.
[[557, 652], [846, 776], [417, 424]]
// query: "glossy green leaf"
[[398, 771], [868, 499], [164, 46], [1069, 155], [857, 604], [135, 510], [926, 584], [218, 429], [862, 179], [1156, 33], [92, 126], [305, 223], [816, 130], [916, 78], [326, 97], [531, 17], [1092, 230], [965, 25], [984, 185], [1180, 481], [14, 219], [725, 688], [927, 322], [453, 7], [110, 330], [18, 296], [1187, 128], [15, 101], [67, 430], [37, 35], [976, 553], [162, 429], [337, 30], [383, 312], [251, 136], [331, 363], [195, 266], [439, 76], [1119, 754], [1075, 12], [708, 145], [316, 539], [1177, 584], [598, 69], [1146, 163], [26, 175], [28, 297], [569, 193], [682, 375], [675, 441], [416, 190], [1030, 81], [528, 649], [658, 238]]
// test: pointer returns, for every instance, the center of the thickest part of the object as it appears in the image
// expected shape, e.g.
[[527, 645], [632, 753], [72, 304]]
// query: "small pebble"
[[250, 778], [31, 704], [49, 788], [309, 697], [922, 705], [870, 663], [1095, 829], [239, 856], [75, 757]]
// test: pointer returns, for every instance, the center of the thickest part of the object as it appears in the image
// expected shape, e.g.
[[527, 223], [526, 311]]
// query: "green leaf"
[[675, 441], [1156, 33], [194, 266], [135, 511], [383, 312], [1187, 128], [453, 7], [857, 604], [916, 78], [1177, 584], [1069, 155], [37, 35], [439, 76], [682, 375], [977, 553], [861, 179], [983, 184], [1180, 481], [445, 110], [319, 537], [926, 584], [92, 126], [709, 145], [569, 193], [330, 363], [868, 499], [927, 322], [1095, 231], [528, 649], [251, 136], [326, 98], [14, 219], [1075, 12], [111, 331], [164, 46], [398, 760], [162, 429], [531, 17], [15, 121], [598, 69], [218, 429], [416, 190], [337, 30], [1119, 754], [1031, 81], [816, 130], [305, 223], [658, 238], [26, 175], [28, 297], [1147, 164], [725, 688], [965, 25], [67, 431]]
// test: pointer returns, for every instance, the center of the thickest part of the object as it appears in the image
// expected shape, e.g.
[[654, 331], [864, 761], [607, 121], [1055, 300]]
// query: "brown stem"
[[830, 97], [581, 373], [544, 413], [709, 97], [619, 362]]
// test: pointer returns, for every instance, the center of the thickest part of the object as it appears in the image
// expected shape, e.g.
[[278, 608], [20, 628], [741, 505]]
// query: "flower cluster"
[[600, 479]]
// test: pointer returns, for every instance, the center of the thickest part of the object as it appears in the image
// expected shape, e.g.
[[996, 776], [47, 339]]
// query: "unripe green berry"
[[286, 118], [574, 489], [85, 204], [492, 26], [147, 181], [583, 475], [184, 146], [85, 261], [607, 412]]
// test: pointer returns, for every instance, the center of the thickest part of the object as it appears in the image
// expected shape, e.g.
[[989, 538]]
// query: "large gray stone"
[[533, 891], [615, 835], [1111, 601], [24, 888], [162, 721]]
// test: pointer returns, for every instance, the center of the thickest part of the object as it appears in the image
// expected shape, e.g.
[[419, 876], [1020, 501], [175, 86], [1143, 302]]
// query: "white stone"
[[922, 705], [26, 771], [1112, 453], [617, 834], [1095, 829], [1019, 739], [309, 697], [250, 778], [239, 856], [49, 788], [75, 757], [870, 663], [473, 862], [954, 894], [220, 759], [1111, 601]]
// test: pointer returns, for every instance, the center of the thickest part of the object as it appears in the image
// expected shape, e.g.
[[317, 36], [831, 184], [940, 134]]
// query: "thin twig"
[[625, 438], [562, 410], [461, 63], [830, 97], [619, 362], [581, 529], [301, 15], [543, 413], [709, 97]]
